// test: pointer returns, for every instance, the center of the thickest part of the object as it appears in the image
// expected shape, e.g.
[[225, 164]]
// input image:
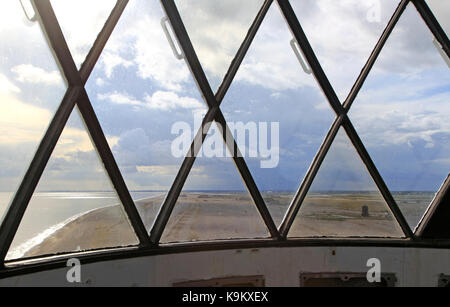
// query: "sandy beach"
[[203, 216], [105, 227], [200, 217], [340, 215]]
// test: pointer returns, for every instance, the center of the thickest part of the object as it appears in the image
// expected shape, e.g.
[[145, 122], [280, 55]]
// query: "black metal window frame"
[[76, 95]]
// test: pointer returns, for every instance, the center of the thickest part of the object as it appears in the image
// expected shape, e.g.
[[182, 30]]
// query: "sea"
[[50, 211]]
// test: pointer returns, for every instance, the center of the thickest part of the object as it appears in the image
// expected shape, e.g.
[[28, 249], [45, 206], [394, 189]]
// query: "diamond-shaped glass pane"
[[144, 98], [214, 203], [273, 99], [81, 21], [343, 200], [31, 88], [402, 115], [74, 207], [217, 30], [343, 34]]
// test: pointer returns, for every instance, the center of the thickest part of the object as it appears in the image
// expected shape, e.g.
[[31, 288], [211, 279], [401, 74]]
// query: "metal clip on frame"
[[295, 47], [164, 22], [32, 19]]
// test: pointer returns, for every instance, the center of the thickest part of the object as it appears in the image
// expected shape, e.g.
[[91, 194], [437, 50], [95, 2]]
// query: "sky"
[[139, 90]]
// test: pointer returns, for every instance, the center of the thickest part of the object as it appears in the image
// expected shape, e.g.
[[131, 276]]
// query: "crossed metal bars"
[[214, 113], [76, 95]]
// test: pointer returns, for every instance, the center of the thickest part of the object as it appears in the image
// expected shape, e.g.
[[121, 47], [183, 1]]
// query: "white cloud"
[[405, 98], [160, 100], [120, 98], [154, 57], [111, 61], [100, 82], [140, 40], [385, 120], [270, 61], [81, 21], [112, 140], [21, 122], [169, 100], [158, 170], [276, 95], [28, 73], [72, 140], [6, 86], [217, 29], [444, 162], [343, 37], [322, 106], [75, 139], [410, 47]]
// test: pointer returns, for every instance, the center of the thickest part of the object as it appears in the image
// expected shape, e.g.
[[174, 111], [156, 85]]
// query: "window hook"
[[294, 47], [178, 55], [32, 19]]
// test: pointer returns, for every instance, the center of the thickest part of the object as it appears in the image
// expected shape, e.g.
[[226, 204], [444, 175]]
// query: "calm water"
[[49, 211]]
